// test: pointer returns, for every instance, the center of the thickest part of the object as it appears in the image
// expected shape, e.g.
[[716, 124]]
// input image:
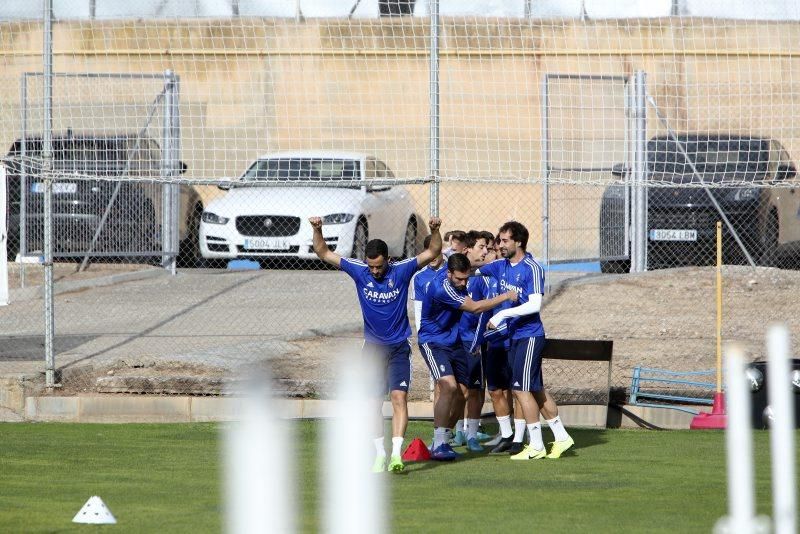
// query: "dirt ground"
[[664, 319]]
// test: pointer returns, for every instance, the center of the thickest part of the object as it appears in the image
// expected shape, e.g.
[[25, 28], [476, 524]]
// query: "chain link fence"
[[188, 155]]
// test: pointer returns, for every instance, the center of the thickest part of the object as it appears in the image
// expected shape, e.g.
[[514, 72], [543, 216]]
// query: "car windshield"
[[717, 156], [303, 169]]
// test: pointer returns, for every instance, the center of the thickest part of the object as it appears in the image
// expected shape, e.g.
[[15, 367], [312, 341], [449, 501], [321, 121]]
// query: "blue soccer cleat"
[[473, 445], [443, 453], [459, 439]]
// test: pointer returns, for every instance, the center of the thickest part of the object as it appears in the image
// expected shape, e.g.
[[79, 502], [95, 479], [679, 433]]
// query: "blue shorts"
[[444, 360], [498, 368], [475, 365], [526, 367], [397, 362]]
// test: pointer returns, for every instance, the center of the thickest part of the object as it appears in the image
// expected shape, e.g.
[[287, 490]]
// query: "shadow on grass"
[[432, 464], [585, 438]]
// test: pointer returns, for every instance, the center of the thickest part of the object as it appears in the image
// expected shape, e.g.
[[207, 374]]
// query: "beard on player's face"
[[377, 267]]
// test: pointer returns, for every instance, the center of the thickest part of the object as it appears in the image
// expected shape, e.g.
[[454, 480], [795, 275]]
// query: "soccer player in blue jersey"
[[445, 300], [382, 288], [498, 379], [420, 281], [471, 328], [518, 271]]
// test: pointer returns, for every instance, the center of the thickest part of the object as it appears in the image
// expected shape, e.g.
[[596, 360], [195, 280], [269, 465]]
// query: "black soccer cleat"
[[504, 445], [516, 447]]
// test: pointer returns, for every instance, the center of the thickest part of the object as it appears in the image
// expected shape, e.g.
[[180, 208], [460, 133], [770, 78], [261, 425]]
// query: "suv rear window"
[[711, 155], [92, 154]]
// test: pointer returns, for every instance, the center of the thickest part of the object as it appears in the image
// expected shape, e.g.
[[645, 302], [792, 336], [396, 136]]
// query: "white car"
[[253, 221]]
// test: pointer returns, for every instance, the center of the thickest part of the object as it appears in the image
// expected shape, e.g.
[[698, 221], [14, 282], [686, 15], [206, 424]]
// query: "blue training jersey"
[[421, 279], [526, 278], [497, 338], [383, 303], [440, 311], [472, 326]]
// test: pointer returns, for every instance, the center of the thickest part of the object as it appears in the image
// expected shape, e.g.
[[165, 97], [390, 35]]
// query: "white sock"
[[559, 432], [519, 430], [379, 446], [505, 426], [535, 433], [472, 428], [397, 445], [460, 425], [439, 436], [448, 434]]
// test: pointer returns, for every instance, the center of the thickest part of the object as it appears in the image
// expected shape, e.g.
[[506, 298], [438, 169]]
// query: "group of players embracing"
[[477, 310]]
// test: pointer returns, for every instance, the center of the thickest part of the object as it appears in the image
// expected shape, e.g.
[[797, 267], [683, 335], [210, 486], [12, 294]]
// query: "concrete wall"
[[249, 86]]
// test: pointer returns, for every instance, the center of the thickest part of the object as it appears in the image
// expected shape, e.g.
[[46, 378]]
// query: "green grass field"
[[167, 478]]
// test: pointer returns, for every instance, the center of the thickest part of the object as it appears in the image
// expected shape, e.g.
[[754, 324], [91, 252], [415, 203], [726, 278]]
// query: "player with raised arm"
[[420, 281], [382, 287], [419, 284], [520, 272], [445, 301]]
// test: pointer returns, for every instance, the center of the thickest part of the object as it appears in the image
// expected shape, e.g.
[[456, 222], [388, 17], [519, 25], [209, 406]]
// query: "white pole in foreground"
[[353, 494], [258, 467], [739, 446], [781, 432]]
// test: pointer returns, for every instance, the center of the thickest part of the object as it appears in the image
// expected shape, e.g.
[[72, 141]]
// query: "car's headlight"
[[746, 193], [337, 218], [213, 218]]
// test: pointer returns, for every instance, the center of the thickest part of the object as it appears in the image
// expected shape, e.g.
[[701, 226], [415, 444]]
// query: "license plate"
[[59, 188], [266, 243], [673, 235]]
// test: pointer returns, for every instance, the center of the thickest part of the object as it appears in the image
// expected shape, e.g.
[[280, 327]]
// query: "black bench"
[[581, 350]]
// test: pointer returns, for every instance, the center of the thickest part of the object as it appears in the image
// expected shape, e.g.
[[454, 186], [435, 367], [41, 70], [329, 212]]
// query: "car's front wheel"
[[410, 239], [360, 238], [189, 252], [769, 256]]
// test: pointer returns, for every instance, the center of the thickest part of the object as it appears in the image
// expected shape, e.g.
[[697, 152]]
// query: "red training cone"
[[417, 451], [716, 420]]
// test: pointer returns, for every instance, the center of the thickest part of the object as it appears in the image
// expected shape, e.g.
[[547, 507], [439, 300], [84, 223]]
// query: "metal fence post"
[[434, 109], [170, 154], [3, 241], [639, 167], [23, 178], [47, 162], [545, 175]]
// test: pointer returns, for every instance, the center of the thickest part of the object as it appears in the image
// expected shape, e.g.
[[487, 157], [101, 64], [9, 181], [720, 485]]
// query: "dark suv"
[[133, 224], [681, 221]]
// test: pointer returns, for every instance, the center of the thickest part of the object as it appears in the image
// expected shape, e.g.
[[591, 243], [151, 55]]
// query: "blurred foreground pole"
[[354, 500], [782, 447], [259, 467], [739, 451]]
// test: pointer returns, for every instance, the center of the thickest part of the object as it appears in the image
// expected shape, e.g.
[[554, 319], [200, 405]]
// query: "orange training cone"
[[417, 451]]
